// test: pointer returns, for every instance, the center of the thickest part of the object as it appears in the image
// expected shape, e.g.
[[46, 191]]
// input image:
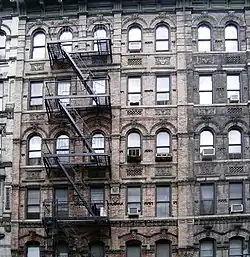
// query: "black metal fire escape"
[[84, 156]]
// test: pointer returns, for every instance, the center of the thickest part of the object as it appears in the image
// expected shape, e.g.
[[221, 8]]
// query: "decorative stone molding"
[[162, 60], [134, 112], [162, 111], [37, 66]]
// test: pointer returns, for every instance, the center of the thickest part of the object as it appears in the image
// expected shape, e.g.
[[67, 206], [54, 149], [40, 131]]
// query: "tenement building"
[[124, 128]]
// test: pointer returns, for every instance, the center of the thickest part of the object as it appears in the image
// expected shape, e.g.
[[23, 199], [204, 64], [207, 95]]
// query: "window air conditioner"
[[236, 208], [135, 152], [234, 98], [134, 211], [134, 100], [208, 154], [135, 46], [163, 157]]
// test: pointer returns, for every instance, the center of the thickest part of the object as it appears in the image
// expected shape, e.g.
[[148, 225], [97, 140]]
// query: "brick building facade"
[[125, 128]]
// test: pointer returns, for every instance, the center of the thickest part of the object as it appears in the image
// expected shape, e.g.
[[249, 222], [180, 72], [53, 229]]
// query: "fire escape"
[[80, 154]]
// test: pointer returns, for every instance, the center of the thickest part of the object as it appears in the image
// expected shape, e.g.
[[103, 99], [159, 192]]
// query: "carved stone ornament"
[[37, 66], [162, 111], [115, 198], [162, 60]]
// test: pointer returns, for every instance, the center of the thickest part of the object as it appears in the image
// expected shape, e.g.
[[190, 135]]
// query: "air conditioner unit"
[[133, 211], [236, 208], [163, 157], [234, 99], [135, 152], [134, 100], [208, 154], [134, 46], [115, 190]]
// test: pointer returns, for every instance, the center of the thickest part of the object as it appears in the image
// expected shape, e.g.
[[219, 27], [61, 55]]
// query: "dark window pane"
[[162, 250], [133, 251]]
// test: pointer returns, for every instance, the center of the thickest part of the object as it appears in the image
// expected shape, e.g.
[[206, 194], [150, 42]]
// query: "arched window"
[[231, 38], [133, 249], [34, 152], [135, 39], [66, 39], [207, 248], [234, 141], [97, 249], [134, 147], [62, 148], [2, 45], [162, 38], [204, 38], [38, 46], [206, 140], [100, 33], [62, 249], [163, 142], [235, 247], [32, 249], [98, 143], [163, 248]]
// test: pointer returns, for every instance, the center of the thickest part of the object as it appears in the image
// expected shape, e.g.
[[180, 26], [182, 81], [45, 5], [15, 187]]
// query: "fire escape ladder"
[[79, 73], [85, 204]]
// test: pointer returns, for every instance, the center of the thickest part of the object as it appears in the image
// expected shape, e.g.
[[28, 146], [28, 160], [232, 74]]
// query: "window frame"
[[97, 243], [162, 242], [140, 142], [242, 246], [102, 188], [102, 44], [169, 146], [63, 149], [213, 199], [3, 47], [166, 202], [206, 91], [240, 145], [135, 26], [68, 42], [129, 202], [102, 136], [66, 81], [167, 102], [35, 106], [208, 240], [230, 198], [204, 40], [134, 93], [201, 146], [38, 160], [230, 39], [234, 90], [61, 208], [168, 39], [133, 243], [32, 244], [37, 32], [37, 214]]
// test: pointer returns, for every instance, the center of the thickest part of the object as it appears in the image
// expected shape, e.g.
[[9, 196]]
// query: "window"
[[2, 45], [1, 95], [61, 202], [233, 86], [162, 201], [134, 91], [235, 247], [163, 142], [62, 250], [207, 248], [234, 142], [97, 200], [134, 198], [7, 198], [34, 155], [207, 199], [163, 249], [63, 89], [204, 39], [162, 90], [36, 95], [231, 38], [99, 88], [33, 204], [100, 45], [206, 89], [38, 51], [98, 143], [62, 148], [206, 140], [66, 39], [133, 249], [97, 250], [33, 250], [134, 140], [135, 39], [162, 38], [235, 193]]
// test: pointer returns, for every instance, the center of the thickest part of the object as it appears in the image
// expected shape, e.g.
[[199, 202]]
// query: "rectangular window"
[[1, 95], [162, 201], [134, 91], [36, 95], [206, 89], [33, 251], [233, 88], [134, 198], [163, 249], [207, 199], [33, 204], [235, 193], [162, 90], [7, 198], [97, 200], [61, 202], [207, 249], [133, 251], [99, 88], [63, 89]]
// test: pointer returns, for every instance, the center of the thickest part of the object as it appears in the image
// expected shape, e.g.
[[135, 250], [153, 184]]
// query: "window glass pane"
[[162, 250], [62, 142], [162, 139], [235, 191], [206, 98], [204, 46], [206, 249], [96, 195], [97, 250], [231, 32], [233, 82], [61, 195], [162, 45], [100, 33], [162, 84], [134, 98], [33, 251], [2, 53], [204, 32], [39, 53], [98, 141], [36, 89], [206, 138], [33, 196], [63, 88], [39, 39], [234, 137], [205, 83], [135, 34], [162, 209], [134, 194], [162, 98], [230, 93], [163, 150], [2, 40], [163, 194], [234, 149], [235, 247], [207, 192], [134, 140], [133, 251], [99, 86], [134, 85], [66, 35], [35, 143], [231, 46], [162, 32]]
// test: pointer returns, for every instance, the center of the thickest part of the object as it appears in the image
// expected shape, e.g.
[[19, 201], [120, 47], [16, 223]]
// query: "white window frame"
[[134, 95], [66, 38], [161, 144], [36, 149], [208, 90], [237, 144], [231, 39], [234, 87], [161, 91], [38, 46], [162, 39], [135, 39], [204, 39], [36, 96], [3, 45], [166, 201], [205, 145]]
